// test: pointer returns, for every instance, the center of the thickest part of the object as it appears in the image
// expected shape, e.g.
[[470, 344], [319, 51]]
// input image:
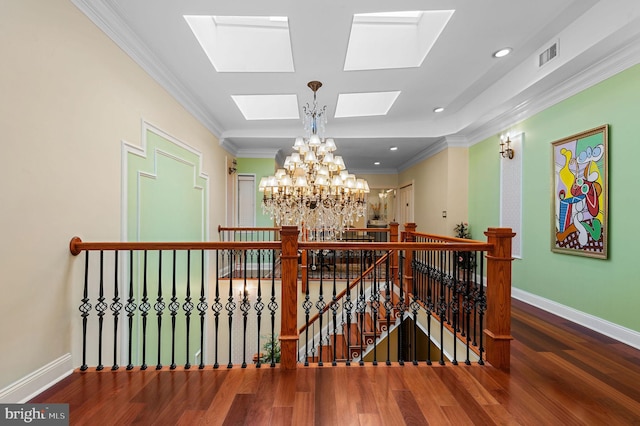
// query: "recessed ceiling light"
[[439, 109], [393, 148], [377, 163], [502, 52]]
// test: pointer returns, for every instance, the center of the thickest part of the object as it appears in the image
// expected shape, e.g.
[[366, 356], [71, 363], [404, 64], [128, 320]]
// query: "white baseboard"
[[615, 331], [38, 381]]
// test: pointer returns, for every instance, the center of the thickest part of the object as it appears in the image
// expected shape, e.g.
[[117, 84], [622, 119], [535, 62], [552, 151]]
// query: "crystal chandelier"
[[314, 190]]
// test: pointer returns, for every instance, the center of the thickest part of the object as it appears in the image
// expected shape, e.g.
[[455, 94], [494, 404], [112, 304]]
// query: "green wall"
[[260, 167], [607, 289], [166, 201]]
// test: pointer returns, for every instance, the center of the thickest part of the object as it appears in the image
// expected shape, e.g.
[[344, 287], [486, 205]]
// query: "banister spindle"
[[159, 308], [202, 308], [130, 307], [187, 306], [144, 308], [85, 308], [273, 307], [101, 306], [116, 307], [216, 307], [230, 307], [259, 306], [174, 307]]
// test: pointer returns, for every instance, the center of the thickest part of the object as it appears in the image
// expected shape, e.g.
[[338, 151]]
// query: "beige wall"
[[440, 184], [69, 98], [457, 187]]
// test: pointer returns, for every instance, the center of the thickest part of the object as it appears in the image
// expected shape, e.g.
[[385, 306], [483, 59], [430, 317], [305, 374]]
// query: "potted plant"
[[464, 259], [271, 350]]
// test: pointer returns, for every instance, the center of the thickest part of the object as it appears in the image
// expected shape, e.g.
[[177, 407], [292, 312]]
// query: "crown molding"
[[229, 146], [107, 19], [623, 58], [257, 153], [431, 150]]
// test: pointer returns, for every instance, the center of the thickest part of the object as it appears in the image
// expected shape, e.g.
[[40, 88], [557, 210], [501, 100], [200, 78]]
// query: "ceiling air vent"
[[548, 54]]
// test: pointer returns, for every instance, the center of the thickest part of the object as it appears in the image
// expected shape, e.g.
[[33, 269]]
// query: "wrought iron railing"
[[183, 303]]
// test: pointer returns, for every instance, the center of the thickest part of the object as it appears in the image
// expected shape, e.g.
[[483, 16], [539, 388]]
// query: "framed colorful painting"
[[580, 194]]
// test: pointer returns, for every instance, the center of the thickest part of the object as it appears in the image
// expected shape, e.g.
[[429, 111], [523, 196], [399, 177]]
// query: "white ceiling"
[[479, 93]]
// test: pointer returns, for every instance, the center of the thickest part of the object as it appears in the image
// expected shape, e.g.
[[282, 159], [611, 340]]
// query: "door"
[[405, 207], [246, 200]]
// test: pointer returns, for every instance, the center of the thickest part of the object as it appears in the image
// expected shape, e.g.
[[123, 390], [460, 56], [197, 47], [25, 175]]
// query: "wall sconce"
[[233, 169], [505, 147]]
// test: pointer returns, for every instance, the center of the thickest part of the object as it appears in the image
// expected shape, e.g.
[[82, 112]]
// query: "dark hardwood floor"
[[561, 374]]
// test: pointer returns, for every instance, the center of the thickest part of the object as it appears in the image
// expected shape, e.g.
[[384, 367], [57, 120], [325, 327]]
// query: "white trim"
[[430, 151], [509, 193], [38, 381], [142, 151], [602, 326]]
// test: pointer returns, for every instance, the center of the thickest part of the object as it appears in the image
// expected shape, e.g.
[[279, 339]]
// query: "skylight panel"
[[365, 104], [244, 43], [267, 107], [393, 39]]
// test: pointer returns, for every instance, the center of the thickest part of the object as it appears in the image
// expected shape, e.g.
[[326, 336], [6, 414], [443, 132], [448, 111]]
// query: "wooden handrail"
[[447, 238], [459, 245], [77, 246], [247, 228], [343, 292]]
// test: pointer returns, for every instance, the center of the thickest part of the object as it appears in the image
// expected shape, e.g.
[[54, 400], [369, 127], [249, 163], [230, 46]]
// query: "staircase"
[[357, 337]]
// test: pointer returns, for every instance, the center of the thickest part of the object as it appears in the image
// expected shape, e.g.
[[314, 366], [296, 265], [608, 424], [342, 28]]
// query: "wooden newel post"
[[394, 237], [498, 313], [409, 229], [289, 300]]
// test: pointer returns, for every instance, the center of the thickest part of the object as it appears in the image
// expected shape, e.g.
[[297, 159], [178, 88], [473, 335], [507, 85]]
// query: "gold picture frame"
[[580, 193]]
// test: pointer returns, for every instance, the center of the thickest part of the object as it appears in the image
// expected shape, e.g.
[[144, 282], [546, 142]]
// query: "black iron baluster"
[[187, 306], [101, 306], [362, 307], [442, 305], [159, 307], [216, 307], [259, 306], [230, 307], [202, 308], [429, 304], [144, 308], [273, 307], [482, 306], [374, 300], [307, 305], [414, 305], [335, 305], [174, 307], [85, 308], [388, 307], [401, 337], [467, 307], [130, 307], [116, 307], [348, 306], [454, 308], [245, 306], [320, 305]]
